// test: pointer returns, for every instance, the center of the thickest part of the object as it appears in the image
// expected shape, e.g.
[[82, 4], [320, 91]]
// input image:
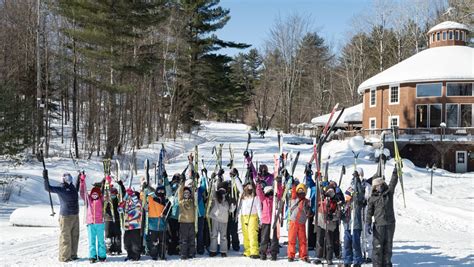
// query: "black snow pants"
[[265, 241], [156, 244], [173, 236], [187, 240], [133, 244], [311, 234], [382, 245], [232, 234], [325, 242]]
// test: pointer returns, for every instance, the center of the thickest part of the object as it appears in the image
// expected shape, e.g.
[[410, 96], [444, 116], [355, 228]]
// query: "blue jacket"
[[352, 215], [201, 205], [312, 197], [68, 198]]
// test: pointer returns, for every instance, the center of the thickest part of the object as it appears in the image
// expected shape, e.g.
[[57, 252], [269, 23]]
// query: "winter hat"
[[267, 189], [301, 186], [187, 189], [96, 190], [130, 192], [67, 178], [330, 193], [113, 190], [360, 171], [377, 181]]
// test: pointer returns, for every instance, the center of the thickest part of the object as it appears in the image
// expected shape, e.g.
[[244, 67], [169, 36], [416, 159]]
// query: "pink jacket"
[[267, 203], [94, 207]]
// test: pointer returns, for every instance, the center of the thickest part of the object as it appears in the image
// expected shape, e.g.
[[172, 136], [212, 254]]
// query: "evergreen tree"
[[201, 19]]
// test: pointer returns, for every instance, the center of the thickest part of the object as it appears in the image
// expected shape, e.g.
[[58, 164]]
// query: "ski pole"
[[49, 190]]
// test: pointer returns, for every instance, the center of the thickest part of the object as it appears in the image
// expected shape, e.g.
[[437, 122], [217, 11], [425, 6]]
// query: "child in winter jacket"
[[186, 219], [113, 223], [157, 208], [131, 206], [352, 220], [328, 219], [266, 198], [300, 210], [95, 221], [250, 211], [219, 213]]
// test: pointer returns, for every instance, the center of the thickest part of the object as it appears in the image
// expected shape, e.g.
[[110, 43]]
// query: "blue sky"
[[251, 20]]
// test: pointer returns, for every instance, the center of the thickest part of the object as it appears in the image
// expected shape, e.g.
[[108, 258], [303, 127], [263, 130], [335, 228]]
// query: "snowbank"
[[35, 216]]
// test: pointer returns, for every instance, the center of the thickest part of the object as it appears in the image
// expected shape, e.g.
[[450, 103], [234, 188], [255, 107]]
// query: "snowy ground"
[[433, 230]]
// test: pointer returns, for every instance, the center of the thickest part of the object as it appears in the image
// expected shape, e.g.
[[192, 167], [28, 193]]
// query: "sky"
[[251, 20]]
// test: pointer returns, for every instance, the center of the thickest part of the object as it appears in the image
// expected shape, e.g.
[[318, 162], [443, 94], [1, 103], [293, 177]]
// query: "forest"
[[124, 74]]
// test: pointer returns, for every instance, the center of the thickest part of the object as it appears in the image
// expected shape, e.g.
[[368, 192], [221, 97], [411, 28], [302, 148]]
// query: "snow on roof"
[[351, 114], [449, 25], [453, 63]]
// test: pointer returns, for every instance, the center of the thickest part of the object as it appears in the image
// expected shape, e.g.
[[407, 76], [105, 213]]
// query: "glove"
[[338, 190], [182, 178], [246, 154], [45, 174], [204, 170], [232, 207], [325, 184], [369, 228], [108, 179]]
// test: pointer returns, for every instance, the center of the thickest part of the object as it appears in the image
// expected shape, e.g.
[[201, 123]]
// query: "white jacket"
[[248, 209], [220, 211]]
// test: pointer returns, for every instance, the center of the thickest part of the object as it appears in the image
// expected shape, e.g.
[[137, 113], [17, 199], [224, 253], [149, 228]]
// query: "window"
[[435, 115], [459, 89], [428, 116], [444, 36], [452, 115], [432, 38], [428, 89], [373, 98], [450, 35], [372, 123], [437, 36], [456, 35], [466, 115], [462, 36], [394, 94], [393, 121], [422, 116]]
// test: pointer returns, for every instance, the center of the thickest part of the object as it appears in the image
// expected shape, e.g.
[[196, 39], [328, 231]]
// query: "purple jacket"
[[268, 178], [267, 203], [94, 207]]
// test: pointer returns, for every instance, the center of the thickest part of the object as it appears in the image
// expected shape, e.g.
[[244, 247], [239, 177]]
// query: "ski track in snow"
[[433, 230]]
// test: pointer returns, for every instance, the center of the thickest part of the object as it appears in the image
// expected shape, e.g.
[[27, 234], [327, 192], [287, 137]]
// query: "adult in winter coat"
[[380, 208], [131, 207], [234, 185], [328, 219], [68, 216], [300, 210], [266, 198], [250, 211], [219, 213], [186, 219], [173, 223], [113, 231], [352, 221], [95, 221]]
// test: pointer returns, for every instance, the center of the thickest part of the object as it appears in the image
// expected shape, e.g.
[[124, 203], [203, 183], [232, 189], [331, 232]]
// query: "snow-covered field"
[[432, 230]]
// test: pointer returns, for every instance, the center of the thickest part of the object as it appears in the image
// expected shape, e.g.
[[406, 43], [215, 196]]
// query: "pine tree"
[[202, 18]]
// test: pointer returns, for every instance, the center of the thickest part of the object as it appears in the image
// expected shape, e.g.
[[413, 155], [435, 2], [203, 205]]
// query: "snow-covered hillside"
[[432, 230]]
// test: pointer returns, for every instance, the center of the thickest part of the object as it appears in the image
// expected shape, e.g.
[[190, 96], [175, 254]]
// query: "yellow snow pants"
[[250, 231]]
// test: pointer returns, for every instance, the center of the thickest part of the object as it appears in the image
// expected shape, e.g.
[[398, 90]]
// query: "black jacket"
[[380, 205]]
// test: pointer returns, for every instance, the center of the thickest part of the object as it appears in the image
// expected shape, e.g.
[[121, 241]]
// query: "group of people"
[[192, 213]]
